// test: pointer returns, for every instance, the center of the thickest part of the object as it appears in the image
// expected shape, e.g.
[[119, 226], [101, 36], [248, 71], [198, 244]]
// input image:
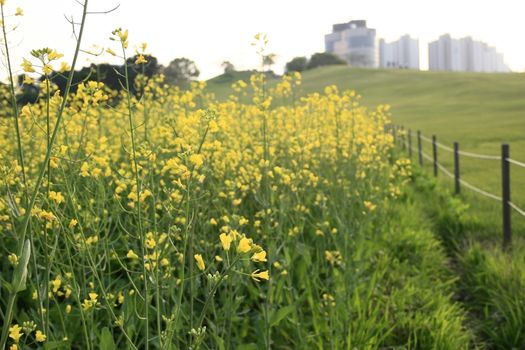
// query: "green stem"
[[139, 190], [43, 168], [14, 106]]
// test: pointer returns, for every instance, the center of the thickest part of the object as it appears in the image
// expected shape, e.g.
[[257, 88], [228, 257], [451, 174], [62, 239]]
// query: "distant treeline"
[[178, 72], [300, 64]]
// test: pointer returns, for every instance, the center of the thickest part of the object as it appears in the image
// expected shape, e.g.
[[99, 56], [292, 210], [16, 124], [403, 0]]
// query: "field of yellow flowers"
[[168, 220]]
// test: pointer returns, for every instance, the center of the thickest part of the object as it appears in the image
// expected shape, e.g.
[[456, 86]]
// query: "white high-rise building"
[[464, 55], [354, 43], [403, 53]]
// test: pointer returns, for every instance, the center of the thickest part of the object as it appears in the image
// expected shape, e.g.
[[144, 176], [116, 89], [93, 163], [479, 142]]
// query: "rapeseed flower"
[[200, 262], [258, 275], [226, 241], [15, 333], [40, 336], [245, 245]]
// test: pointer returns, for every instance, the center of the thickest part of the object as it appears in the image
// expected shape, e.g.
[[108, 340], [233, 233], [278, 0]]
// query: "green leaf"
[[53, 345], [106, 340], [281, 314], [20, 275], [250, 346], [219, 342]]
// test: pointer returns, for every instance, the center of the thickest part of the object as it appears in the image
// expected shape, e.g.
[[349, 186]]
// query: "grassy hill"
[[480, 111]]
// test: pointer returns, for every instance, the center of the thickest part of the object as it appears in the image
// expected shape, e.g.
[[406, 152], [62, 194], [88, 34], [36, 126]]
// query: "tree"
[[149, 69], [297, 64], [269, 60], [181, 71], [324, 59], [228, 67]]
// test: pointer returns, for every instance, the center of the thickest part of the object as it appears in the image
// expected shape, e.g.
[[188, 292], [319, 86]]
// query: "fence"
[[405, 140]]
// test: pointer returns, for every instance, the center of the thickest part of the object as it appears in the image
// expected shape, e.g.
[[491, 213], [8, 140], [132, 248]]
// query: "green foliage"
[[324, 59], [490, 281], [180, 72], [494, 282], [297, 64], [228, 67]]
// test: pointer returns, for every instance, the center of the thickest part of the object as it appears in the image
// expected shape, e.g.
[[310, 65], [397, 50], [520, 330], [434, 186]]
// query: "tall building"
[[403, 53], [354, 43], [464, 55]]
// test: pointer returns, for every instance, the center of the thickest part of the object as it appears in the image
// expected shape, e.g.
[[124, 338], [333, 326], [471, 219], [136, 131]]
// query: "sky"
[[212, 31]]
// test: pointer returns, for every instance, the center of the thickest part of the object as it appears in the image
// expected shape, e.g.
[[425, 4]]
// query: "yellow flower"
[[259, 257], [140, 59], [56, 283], [226, 241], [19, 12], [131, 255], [27, 66], [26, 111], [53, 55], [200, 262], [40, 337], [56, 197], [13, 347], [369, 205], [150, 243], [263, 275], [197, 160], [72, 223], [245, 245], [15, 333], [68, 308], [64, 67], [47, 69], [28, 80], [84, 170]]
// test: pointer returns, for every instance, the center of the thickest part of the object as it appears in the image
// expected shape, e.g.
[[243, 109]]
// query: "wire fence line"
[[440, 145], [479, 156], [470, 154], [463, 153], [518, 209], [468, 185], [515, 162], [506, 161]]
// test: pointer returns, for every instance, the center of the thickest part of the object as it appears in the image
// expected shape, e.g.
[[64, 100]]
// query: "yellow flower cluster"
[[203, 180]]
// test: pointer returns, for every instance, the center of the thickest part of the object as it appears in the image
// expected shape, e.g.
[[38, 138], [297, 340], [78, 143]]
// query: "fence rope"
[[463, 153], [518, 209], [479, 156], [480, 191], [463, 182], [515, 162], [440, 145]]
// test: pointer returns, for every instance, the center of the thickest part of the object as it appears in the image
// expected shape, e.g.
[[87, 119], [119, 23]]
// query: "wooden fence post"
[[394, 134], [505, 195], [435, 155], [419, 147], [457, 181], [410, 143], [404, 138]]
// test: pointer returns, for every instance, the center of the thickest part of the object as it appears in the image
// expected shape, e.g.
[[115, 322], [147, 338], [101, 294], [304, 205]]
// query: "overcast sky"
[[211, 31]]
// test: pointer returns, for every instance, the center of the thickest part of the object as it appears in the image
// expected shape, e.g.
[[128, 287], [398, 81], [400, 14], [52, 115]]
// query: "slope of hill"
[[479, 110]]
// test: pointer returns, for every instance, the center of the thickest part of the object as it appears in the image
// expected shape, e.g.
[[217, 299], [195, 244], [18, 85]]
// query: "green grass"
[[480, 111], [490, 281]]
